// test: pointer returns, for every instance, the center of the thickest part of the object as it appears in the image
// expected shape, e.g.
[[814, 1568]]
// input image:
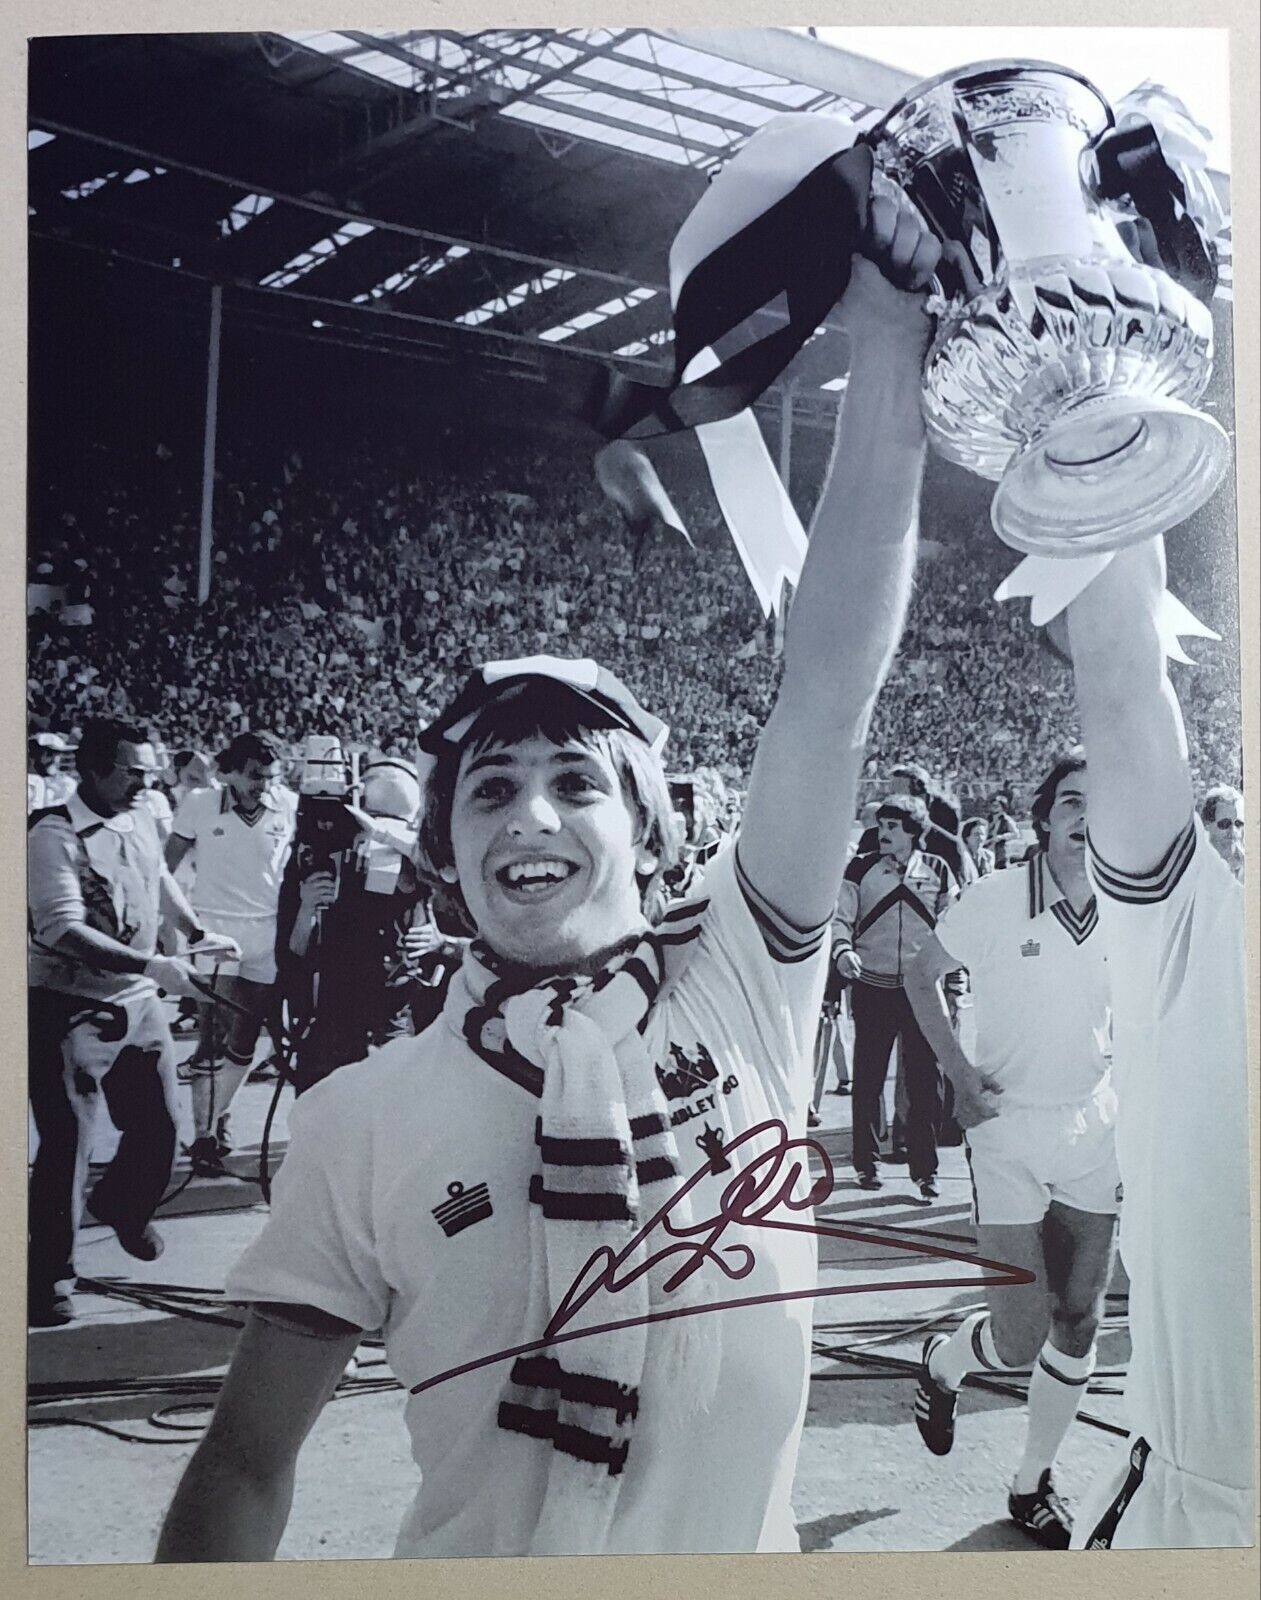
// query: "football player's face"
[[1066, 821], [253, 781], [545, 852]]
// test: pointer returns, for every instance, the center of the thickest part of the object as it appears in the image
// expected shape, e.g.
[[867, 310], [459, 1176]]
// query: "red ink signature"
[[767, 1183]]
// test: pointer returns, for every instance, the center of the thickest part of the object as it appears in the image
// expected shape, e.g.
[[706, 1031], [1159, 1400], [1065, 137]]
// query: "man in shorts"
[[239, 837], [1040, 1110], [1171, 917], [590, 1070]]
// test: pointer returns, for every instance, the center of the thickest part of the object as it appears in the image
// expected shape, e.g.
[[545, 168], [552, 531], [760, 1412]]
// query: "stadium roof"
[[498, 193]]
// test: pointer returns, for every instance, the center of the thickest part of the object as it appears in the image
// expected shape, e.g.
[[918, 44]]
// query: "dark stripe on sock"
[[526, 1419], [979, 1353], [1060, 1377]]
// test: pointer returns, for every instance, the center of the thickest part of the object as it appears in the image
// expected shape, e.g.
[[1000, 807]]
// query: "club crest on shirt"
[[463, 1208], [1031, 947], [687, 1077], [217, 833]]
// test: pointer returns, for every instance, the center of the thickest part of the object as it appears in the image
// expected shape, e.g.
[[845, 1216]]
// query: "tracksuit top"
[[885, 912]]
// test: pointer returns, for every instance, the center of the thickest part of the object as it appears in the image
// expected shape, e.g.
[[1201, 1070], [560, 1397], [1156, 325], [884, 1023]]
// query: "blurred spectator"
[[47, 784], [975, 834], [1003, 833], [1222, 814]]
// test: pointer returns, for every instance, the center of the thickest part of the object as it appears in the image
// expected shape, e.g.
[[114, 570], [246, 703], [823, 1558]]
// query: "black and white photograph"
[[635, 854]]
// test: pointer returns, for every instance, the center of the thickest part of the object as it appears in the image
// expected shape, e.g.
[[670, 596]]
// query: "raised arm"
[[1140, 783], [848, 613]]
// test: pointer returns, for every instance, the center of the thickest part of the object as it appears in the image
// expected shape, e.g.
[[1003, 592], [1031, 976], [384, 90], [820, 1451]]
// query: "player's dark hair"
[[909, 810], [247, 747], [1044, 795], [559, 720], [98, 745]]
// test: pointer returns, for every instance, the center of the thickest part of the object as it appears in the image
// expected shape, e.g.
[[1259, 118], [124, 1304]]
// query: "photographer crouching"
[[345, 963]]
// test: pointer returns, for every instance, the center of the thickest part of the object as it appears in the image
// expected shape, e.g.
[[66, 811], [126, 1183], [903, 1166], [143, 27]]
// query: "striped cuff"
[[785, 941], [879, 980], [1146, 888]]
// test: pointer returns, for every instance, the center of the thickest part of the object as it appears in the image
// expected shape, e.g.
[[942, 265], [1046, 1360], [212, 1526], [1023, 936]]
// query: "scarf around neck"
[[606, 1160]]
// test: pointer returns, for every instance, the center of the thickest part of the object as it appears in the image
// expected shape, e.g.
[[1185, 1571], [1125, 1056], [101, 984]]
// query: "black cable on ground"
[[900, 1367], [201, 1393], [264, 1170], [155, 1300]]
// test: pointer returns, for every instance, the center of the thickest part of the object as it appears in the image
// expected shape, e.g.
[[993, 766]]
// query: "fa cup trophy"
[[1063, 367]]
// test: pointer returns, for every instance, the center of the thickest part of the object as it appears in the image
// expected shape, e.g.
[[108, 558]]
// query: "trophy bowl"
[[1062, 367]]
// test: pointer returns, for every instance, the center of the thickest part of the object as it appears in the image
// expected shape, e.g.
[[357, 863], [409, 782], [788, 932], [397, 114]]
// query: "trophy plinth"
[[1062, 367]]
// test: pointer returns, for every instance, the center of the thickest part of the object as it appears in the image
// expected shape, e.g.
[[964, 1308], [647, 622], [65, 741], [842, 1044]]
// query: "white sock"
[[1055, 1392], [214, 1092], [970, 1348]]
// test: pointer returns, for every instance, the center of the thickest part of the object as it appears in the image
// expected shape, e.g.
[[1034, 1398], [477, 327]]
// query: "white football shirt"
[[377, 1152], [1039, 976], [238, 862], [1176, 956]]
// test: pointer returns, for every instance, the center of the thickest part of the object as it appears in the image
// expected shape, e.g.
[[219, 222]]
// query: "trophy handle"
[[1126, 171], [956, 278]]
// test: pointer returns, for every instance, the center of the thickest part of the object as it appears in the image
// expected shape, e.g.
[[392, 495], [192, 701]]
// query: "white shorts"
[[1028, 1156], [257, 939], [1143, 1502]]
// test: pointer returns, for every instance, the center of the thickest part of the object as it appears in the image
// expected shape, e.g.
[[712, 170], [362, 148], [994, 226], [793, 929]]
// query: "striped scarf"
[[605, 1160]]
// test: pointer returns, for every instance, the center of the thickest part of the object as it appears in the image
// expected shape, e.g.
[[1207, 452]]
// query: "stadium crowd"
[[351, 594]]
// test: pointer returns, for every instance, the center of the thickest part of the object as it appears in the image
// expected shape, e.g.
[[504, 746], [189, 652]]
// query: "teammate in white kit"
[[238, 837], [588, 1070], [1040, 1112], [1171, 915]]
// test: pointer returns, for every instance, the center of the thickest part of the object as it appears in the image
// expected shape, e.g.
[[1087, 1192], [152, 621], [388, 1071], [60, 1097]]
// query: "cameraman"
[[346, 904], [696, 818]]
